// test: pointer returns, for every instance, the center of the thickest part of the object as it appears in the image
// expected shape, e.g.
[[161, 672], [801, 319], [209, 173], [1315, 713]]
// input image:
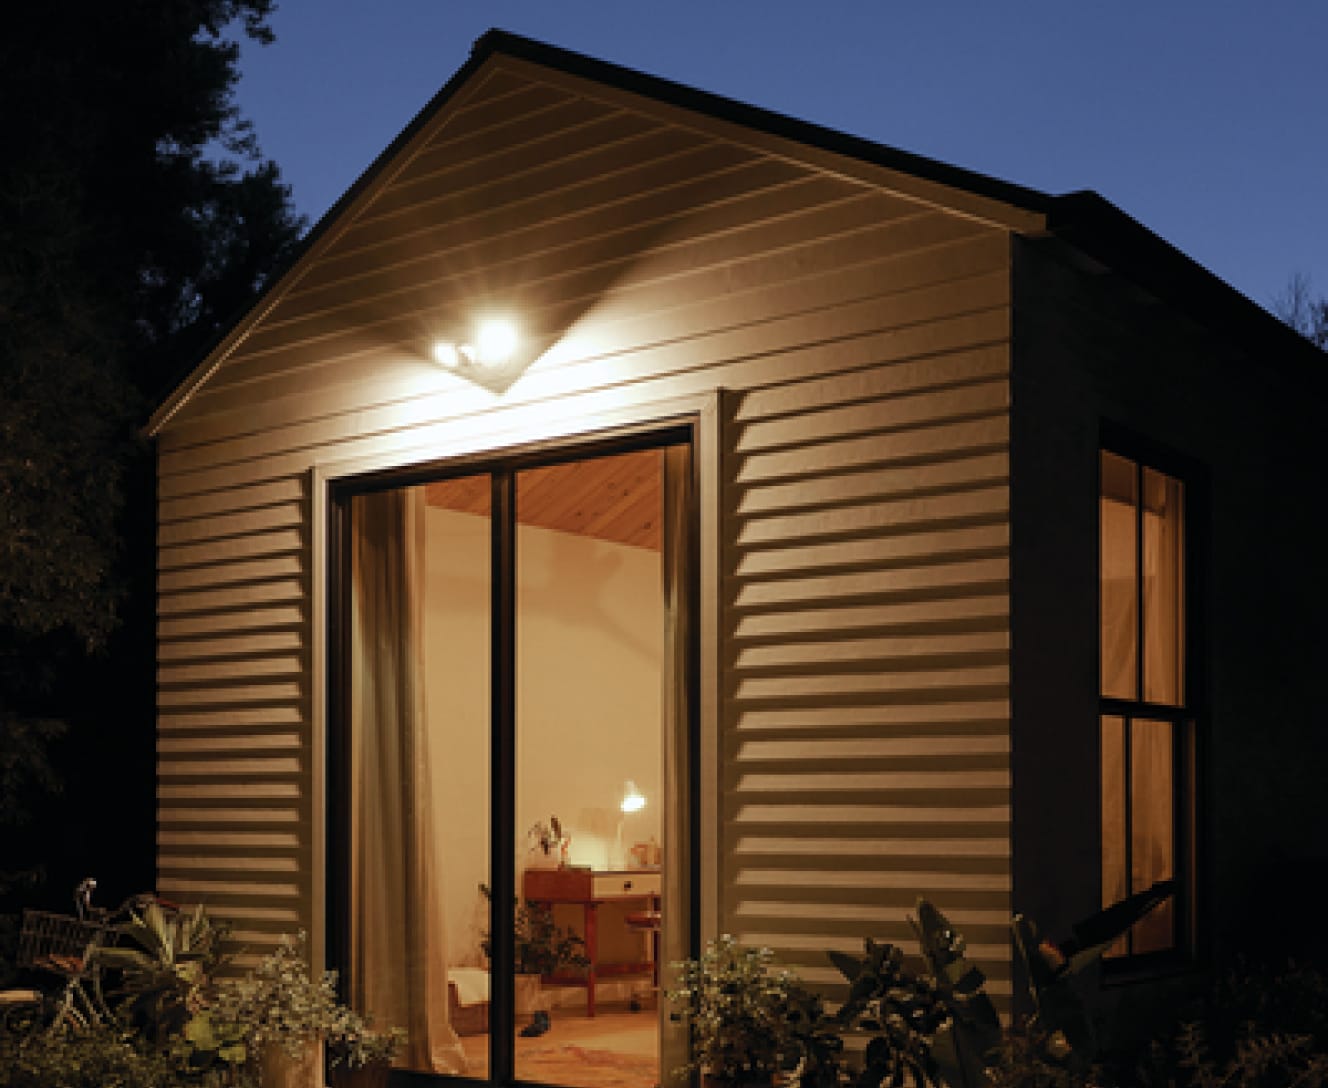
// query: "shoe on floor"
[[539, 1024]]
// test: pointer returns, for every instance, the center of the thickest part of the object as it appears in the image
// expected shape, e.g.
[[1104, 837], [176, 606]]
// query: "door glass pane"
[[1152, 837], [1164, 576], [1114, 883], [1119, 587], [589, 661], [419, 775], [457, 626]]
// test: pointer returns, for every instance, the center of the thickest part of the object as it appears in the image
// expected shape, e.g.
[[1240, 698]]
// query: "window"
[[1145, 718], [512, 721]]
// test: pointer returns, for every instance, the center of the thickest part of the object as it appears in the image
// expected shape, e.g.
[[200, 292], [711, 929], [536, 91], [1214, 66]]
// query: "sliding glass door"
[[512, 716]]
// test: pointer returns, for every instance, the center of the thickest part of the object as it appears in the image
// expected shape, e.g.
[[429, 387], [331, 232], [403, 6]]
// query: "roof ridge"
[[759, 118]]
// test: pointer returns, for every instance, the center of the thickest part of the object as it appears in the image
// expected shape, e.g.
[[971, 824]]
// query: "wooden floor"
[[615, 1047]]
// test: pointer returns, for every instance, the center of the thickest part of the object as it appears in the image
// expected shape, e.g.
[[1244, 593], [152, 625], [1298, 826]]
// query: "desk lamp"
[[632, 801]]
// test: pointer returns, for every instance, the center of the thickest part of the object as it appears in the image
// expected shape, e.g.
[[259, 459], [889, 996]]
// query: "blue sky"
[[1206, 121]]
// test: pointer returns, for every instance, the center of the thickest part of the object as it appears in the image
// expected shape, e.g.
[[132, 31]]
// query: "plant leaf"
[[849, 966], [1092, 934]]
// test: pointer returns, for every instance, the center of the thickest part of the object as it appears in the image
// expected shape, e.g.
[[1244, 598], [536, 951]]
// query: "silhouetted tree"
[[1298, 307], [136, 217]]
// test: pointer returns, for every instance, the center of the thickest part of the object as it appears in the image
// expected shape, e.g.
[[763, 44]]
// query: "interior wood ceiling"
[[610, 498]]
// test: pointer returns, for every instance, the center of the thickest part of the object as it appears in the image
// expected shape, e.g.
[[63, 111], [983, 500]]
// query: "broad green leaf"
[[199, 1032], [1094, 933], [233, 1054], [849, 966], [123, 958]]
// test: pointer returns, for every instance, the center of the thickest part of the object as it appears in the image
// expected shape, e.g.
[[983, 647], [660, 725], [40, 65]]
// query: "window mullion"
[[1127, 758], [502, 816], [1139, 583]]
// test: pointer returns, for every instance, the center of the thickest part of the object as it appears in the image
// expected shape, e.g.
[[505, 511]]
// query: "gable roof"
[[1083, 220]]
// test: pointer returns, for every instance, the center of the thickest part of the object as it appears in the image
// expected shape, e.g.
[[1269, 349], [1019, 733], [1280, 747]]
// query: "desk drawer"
[[613, 885]]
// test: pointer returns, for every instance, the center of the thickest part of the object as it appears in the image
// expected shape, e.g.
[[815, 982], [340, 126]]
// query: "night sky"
[[1203, 120]]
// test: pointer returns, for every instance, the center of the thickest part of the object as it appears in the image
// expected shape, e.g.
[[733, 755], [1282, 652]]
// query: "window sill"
[[1154, 967]]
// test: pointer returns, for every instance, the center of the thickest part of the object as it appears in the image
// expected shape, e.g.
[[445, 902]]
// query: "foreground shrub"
[[1026, 1058], [1258, 1026], [1253, 1060], [1288, 999], [100, 1057]]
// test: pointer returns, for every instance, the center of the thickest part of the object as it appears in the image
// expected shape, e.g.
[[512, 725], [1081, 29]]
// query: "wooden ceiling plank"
[[615, 498]]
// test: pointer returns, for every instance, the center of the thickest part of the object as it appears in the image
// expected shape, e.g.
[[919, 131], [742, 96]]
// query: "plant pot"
[[373, 1075], [529, 996], [280, 1069]]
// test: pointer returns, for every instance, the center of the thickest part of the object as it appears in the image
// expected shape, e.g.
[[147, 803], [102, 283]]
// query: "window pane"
[[1114, 884], [1119, 596], [1164, 576], [419, 735], [589, 749], [1152, 836], [457, 618]]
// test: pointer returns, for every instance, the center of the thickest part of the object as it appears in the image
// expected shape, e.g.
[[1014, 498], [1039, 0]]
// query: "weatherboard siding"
[[866, 712], [864, 625]]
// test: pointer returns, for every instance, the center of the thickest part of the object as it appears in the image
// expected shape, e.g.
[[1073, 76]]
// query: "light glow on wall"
[[493, 344]]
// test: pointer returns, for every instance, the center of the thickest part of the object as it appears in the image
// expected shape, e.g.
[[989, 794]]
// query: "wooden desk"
[[590, 889]]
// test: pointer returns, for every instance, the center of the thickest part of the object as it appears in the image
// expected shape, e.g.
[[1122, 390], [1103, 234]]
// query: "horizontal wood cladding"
[[862, 334], [719, 312], [234, 760], [866, 757], [865, 496]]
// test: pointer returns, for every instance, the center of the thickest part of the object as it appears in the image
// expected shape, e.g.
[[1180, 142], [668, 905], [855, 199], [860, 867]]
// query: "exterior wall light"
[[495, 342], [493, 346]]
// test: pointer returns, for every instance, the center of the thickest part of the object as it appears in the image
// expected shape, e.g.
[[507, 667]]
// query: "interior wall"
[[589, 633], [456, 650]]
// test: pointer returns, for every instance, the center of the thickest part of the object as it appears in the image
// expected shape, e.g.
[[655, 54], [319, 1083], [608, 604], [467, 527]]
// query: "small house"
[[688, 520]]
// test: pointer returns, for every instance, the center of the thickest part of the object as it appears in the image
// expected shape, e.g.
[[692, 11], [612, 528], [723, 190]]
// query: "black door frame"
[[502, 468]]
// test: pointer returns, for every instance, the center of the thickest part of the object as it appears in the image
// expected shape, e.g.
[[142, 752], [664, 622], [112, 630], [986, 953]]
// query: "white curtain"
[[398, 968]]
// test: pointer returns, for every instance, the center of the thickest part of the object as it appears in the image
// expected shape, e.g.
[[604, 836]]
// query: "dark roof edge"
[[754, 117], [1099, 229]]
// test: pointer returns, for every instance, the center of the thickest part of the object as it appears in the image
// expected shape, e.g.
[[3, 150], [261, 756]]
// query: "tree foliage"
[[136, 217], [1298, 307]]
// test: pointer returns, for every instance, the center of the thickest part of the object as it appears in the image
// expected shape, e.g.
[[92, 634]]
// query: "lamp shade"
[[633, 800]]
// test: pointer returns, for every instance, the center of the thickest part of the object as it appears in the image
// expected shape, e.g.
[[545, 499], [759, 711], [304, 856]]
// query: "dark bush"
[[100, 1057]]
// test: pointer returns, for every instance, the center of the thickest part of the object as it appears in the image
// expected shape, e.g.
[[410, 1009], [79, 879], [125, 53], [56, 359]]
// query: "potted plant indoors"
[[540, 949], [737, 1007]]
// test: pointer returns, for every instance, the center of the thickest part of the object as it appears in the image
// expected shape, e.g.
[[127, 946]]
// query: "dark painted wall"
[[1090, 348]]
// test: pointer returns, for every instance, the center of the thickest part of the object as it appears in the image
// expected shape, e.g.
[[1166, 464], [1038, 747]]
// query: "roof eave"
[[1097, 228], [318, 236]]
